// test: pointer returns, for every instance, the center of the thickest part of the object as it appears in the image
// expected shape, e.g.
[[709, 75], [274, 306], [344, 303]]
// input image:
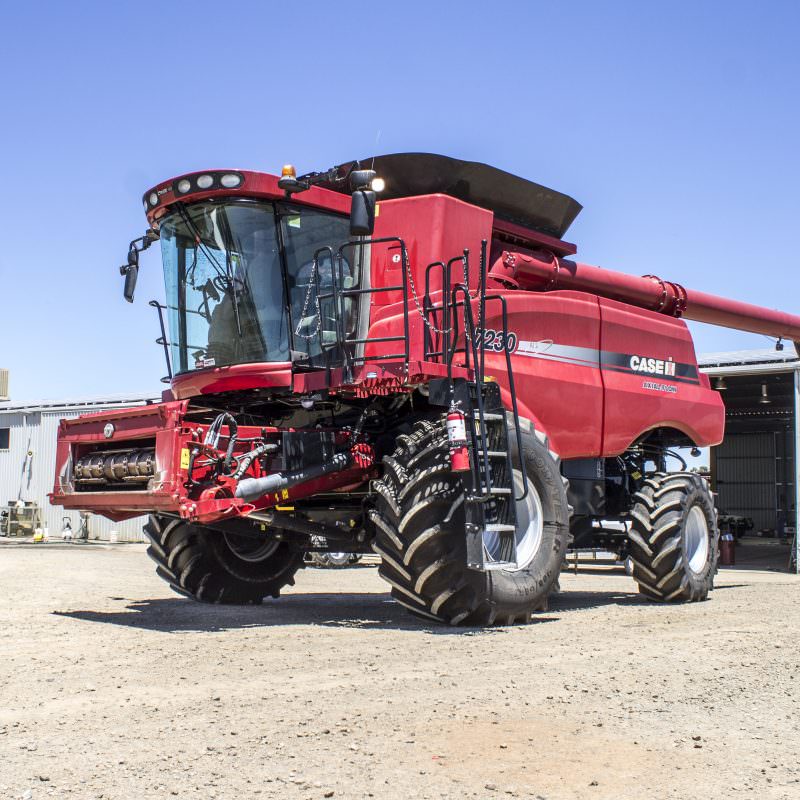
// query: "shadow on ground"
[[364, 610]]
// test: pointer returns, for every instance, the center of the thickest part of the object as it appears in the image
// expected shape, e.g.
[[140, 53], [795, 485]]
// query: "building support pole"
[[796, 465]]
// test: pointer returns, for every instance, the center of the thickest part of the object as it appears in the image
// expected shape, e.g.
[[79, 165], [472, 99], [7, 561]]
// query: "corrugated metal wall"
[[746, 477], [30, 477]]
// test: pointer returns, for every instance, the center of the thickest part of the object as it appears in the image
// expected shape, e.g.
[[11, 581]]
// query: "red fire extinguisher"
[[457, 439]]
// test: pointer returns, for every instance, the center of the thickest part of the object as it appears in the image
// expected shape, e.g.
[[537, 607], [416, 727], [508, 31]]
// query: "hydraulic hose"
[[246, 460]]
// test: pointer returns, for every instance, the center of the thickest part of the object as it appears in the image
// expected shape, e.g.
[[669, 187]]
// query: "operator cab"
[[252, 276], [243, 282]]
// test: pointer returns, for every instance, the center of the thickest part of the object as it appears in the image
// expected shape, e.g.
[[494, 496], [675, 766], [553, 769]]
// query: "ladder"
[[490, 485]]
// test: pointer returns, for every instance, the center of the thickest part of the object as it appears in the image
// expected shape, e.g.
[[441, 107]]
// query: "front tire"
[[674, 539], [215, 567], [419, 523]]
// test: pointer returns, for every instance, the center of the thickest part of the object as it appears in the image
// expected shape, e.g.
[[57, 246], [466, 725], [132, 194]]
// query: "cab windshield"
[[242, 283]]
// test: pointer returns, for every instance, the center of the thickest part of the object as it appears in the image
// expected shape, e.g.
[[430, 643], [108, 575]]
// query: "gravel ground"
[[112, 687]]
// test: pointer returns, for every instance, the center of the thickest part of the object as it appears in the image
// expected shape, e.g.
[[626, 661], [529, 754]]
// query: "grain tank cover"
[[510, 197]]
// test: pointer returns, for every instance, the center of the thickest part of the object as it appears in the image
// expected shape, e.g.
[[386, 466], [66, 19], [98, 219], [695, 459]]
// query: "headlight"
[[205, 182], [231, 181], [184, 186], [153, 199]]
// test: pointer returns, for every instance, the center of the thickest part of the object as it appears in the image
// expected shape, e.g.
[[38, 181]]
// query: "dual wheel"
[[418, 524]]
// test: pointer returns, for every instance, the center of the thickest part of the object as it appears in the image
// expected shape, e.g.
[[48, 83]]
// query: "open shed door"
[[746, 477]]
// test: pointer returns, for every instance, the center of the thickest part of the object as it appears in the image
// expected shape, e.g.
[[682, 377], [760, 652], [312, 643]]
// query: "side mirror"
[[131, 272], [131, 269], [362, 212]]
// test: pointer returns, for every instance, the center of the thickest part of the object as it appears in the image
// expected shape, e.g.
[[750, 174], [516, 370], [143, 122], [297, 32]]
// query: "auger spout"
[[531, 271]]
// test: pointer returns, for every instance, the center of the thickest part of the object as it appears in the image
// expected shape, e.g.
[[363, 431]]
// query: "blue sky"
[[674, 124]]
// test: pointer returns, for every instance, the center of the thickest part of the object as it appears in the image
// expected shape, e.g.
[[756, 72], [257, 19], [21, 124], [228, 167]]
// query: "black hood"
[[510, 197]]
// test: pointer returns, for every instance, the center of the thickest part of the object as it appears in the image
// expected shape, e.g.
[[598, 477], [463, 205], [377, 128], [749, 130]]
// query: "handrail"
[[478, 352], [375, 290], [162, 340]]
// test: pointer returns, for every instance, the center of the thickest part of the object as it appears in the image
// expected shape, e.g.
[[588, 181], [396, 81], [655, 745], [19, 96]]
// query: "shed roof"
[[761, 356], [78, 403]]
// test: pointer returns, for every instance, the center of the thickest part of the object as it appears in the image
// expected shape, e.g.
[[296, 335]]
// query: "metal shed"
[[28, 434], [755, 470]]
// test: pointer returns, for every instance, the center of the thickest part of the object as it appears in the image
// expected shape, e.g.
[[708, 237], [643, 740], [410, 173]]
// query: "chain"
[[308, 337], [480, 309], [431, 327]]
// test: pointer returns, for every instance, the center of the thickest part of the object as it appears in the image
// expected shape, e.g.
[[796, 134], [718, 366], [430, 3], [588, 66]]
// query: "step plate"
[[493, 566]]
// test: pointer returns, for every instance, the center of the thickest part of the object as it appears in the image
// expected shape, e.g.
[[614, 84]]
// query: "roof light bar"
[[206, 181], [230, 180]]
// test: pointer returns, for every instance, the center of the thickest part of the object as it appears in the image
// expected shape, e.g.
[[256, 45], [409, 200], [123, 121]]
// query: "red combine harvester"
[[428, 376]]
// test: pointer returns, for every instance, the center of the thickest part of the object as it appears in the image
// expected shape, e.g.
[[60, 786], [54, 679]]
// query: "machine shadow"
[[364, 610], [578, 600]]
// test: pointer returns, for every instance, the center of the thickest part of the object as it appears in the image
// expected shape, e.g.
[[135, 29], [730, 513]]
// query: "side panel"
[[556, 339], [434, 228], [651, 379]]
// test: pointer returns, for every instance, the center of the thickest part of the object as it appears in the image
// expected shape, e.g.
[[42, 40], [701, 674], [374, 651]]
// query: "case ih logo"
[[607, 360], [652, 366]]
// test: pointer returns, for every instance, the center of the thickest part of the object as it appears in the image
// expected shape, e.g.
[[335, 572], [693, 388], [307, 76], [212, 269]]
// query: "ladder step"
[[493, 565], [489, 417], [494, 453], [499, 527], [488, 495]]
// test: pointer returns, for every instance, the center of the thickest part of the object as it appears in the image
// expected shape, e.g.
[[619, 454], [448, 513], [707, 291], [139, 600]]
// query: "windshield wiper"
[[226, 275], [226, 232]]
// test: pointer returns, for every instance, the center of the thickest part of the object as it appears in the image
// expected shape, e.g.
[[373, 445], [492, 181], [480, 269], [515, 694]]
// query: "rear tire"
[[674, 540], [419, 534], [216, 567]]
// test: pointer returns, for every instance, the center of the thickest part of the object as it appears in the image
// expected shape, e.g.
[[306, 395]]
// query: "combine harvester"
[[428, 376]]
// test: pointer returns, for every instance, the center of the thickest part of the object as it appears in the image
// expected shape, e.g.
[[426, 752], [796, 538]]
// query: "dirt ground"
[[113, 687]]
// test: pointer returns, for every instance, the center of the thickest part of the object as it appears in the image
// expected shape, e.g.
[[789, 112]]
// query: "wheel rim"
[[251, 550], [695, 539], [530, 524]]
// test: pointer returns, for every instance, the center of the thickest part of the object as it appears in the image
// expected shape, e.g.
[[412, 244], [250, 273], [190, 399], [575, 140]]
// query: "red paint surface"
[[567, 399], [272, 375], [256, 185], [629, 409], [590, 404]]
